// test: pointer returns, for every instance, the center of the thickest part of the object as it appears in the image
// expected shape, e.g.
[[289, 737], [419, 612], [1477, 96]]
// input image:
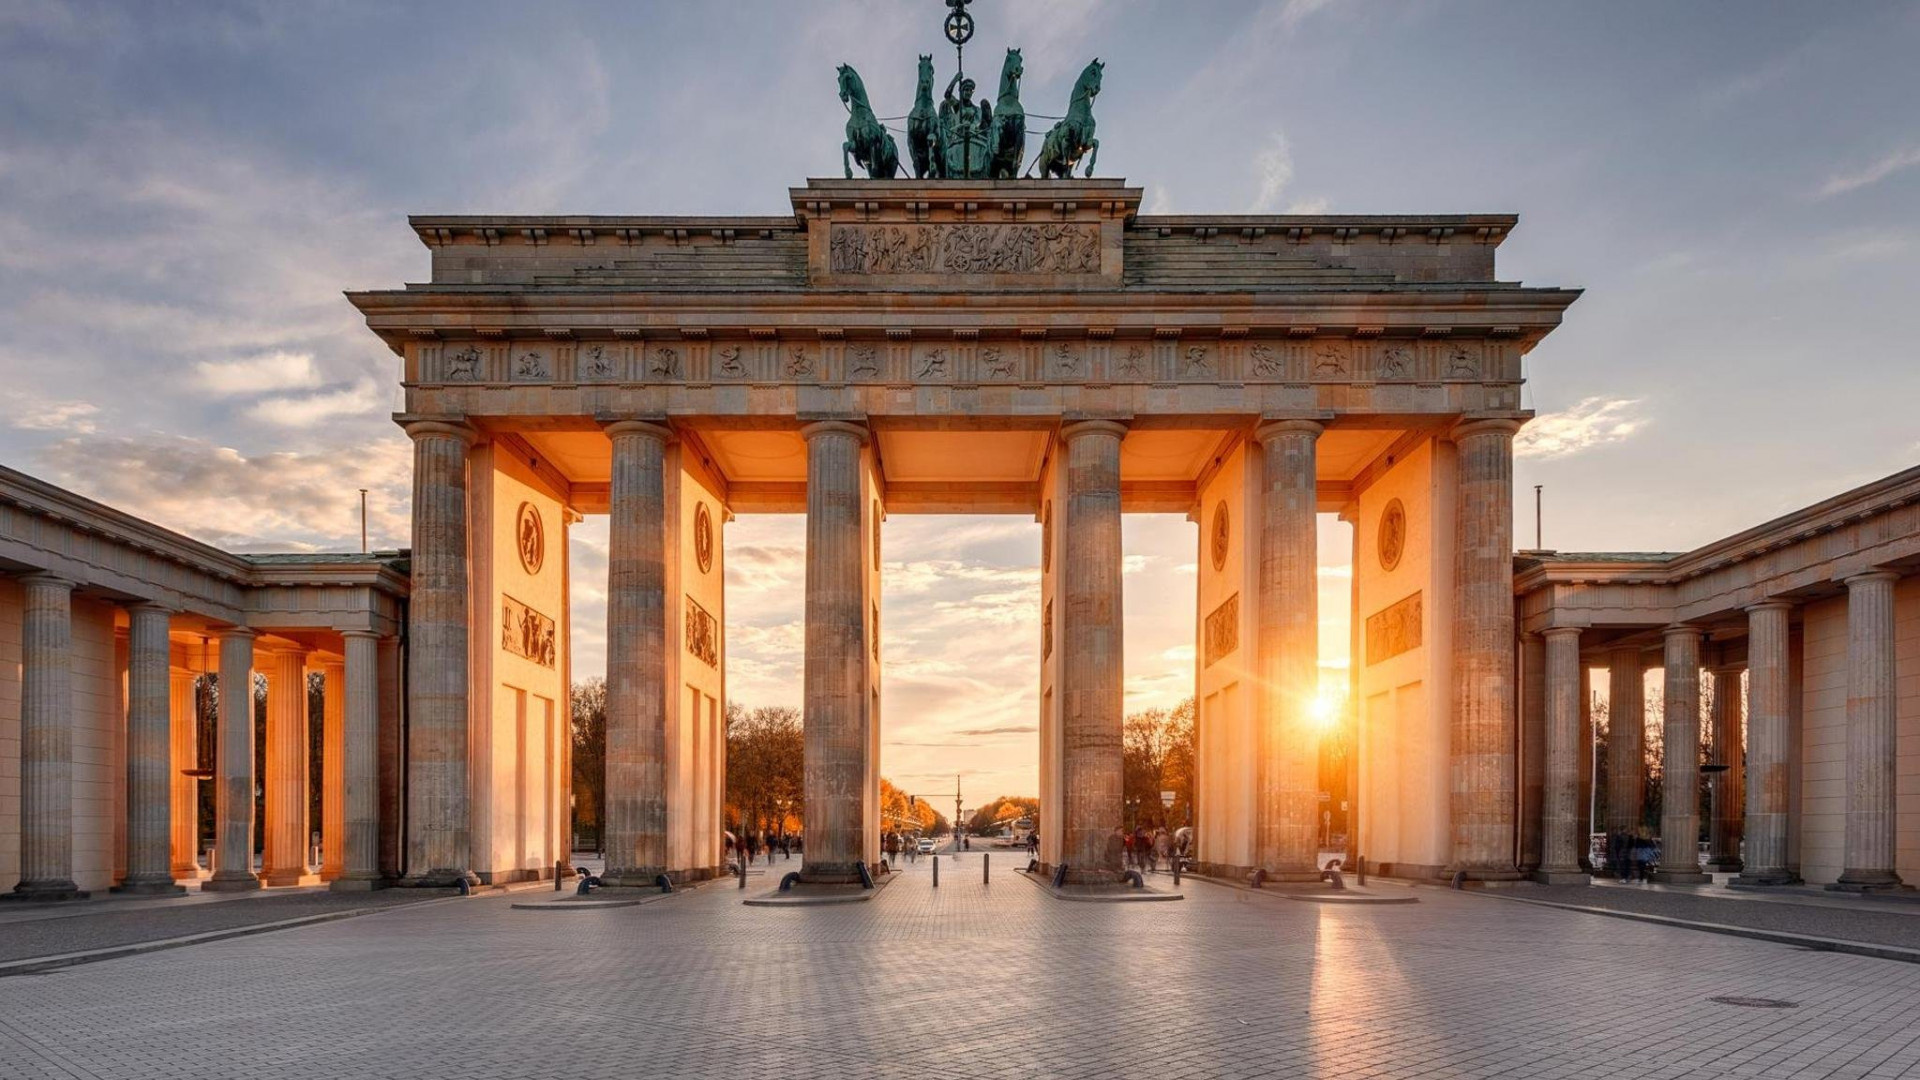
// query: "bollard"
[[866, 875], [559, 871], [1259, 879], [743, 871], [986, 873], [664, 882], [1060, 875], [1332, 877], [936, 871], [1176, 871], [787, 883], [1133, 878], [1360, 864], [466, 888], [1459, 879]]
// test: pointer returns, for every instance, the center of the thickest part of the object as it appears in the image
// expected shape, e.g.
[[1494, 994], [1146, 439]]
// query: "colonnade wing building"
[[1028, 347]]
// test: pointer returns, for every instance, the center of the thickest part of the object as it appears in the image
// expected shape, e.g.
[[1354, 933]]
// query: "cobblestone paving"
[[969, 980], [82, 928], [1844, 916]]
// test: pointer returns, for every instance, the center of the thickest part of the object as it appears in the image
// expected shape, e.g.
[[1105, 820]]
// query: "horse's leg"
[[1093, 155], [846, 158]]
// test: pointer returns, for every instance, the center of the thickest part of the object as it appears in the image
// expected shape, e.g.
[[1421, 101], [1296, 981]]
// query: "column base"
[[442, 878], [224, 881], [1484, 874], [1562, 877], [1680, 877], [829, 873], [636, 877], [1726, 864], [152, 887], [368, 883], [1763, 879], [53, 890], [1294, 876], [1868, 881]]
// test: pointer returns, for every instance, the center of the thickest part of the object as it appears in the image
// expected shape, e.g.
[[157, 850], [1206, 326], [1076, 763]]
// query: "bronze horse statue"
[[921, 124], [1072, 137], [867, 141], [1009, 122]]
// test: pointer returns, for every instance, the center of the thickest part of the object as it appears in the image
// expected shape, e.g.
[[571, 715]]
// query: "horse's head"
[[1089, 81], [849, 83], [926, 70], [1012, 69]]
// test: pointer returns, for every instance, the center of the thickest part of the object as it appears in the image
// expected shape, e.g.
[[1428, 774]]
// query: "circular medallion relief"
[[1393, 535], [1046, 537], [1222, 533], [532, 538], [703, 537]]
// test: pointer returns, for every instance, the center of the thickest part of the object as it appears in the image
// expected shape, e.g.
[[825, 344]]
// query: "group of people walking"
[[752, 844], [1632, 856], [1148, 849]]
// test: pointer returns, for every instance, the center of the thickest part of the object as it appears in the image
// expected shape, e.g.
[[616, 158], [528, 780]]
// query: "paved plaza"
[[968, 980]]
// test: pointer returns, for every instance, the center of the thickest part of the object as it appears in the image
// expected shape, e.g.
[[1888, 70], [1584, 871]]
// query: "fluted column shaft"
[[46, 740], [360, 762], [1585, 812], [1482, 743], [1533, 747], [1729, 787], [438, 822], [1626, 743], [149, 752], [287, 767], [837, 748], [1561, 840], [1768, 777], [183, 708], [333, 769], [233, 767], [1872, 736], [636, 754], [1286, 836], [1680, 761]]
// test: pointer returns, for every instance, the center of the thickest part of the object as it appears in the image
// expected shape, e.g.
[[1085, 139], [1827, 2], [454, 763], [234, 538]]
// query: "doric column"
[[1584, 811], [359, 688], [1728, 787], [333, 769], [1562, 843], [837, 749], [1680, 761], [149, 753], [636, 754], [46, 740], [392, 757], [1626, 743], [1767, 782], [183, 709], [1286, 835], [438, 849], [1482, 743], [287, 767], [233, 767], [1533, 751], [1872, 743]]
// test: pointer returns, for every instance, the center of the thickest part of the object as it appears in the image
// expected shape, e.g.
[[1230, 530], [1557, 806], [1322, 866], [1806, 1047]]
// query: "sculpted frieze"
[[965, 249]]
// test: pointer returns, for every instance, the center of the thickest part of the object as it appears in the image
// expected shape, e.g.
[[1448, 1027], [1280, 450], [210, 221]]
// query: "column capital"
[[152, 607], [1770, 605], [1273, 429], [1681, 630], [1470, 426], [360, 634], [1562, 632], [441, 427], [653, 428], [835, 427], [225, 632], [48, 580], [1866, 577], [1074, 429]]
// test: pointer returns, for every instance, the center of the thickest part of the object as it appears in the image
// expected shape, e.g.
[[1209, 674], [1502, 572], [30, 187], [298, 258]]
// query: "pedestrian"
[[1033, 845], [1162, 846]]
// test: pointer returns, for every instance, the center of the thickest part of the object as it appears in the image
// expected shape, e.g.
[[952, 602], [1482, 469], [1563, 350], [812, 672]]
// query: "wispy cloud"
[[1895, 162], [278, 370], [309, 410], [1594, 421]]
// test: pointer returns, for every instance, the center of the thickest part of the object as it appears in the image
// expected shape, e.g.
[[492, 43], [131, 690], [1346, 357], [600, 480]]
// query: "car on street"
[[926, 845]]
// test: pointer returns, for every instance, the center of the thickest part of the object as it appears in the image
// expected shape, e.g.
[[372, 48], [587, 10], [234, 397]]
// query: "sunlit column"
[[184, 712], [360, 766], [636, 754], [1768, 774], [439, 851], [287, 769], [1728, 787], [838, 754], [1680, 760], [149, 723], [1482, 795], [1872, 736], [233, 782], [333, 768], [46, 740], [1286, 837]]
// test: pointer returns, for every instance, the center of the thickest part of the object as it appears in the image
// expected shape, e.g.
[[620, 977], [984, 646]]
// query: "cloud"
[[360, 399], [1842, 183], [1274, 167], [263, 502], [1594, 421], [278, 370], [1011, 729], [31, 412]]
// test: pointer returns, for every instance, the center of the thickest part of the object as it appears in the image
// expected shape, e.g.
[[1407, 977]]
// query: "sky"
[[186, 189]]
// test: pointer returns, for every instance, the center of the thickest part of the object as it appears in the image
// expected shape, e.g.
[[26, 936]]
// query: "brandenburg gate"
[[970, 346]]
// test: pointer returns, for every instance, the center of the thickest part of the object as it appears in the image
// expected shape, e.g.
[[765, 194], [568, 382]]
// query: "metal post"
[[936, 871], [1537, 544], [986, 872], [363, 521]]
